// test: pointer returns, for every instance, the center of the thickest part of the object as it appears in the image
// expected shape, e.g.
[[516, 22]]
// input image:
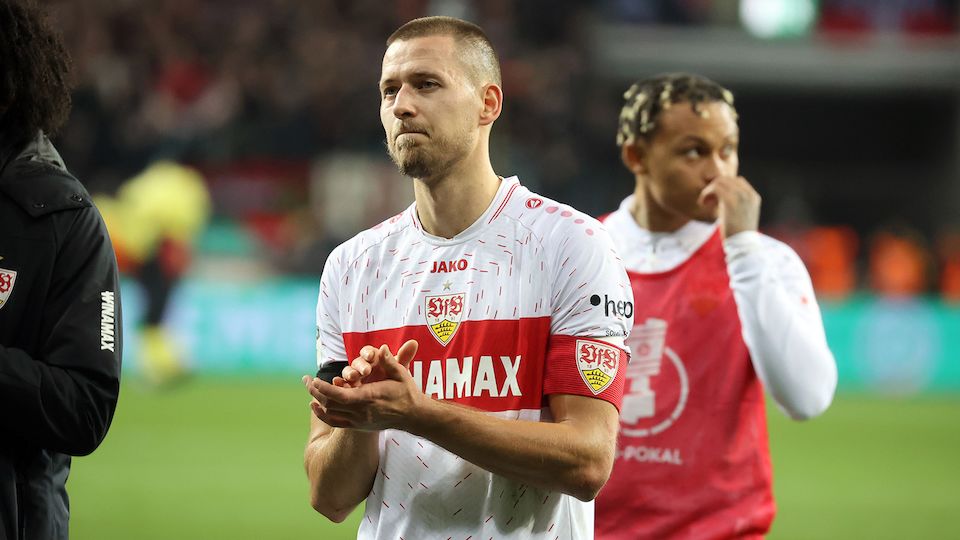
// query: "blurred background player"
[[153, 220], [723, 310], [60, 331]]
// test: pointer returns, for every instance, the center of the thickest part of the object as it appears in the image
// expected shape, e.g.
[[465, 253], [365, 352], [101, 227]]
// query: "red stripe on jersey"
[[492, 365], [585, 367], [500, 365], [504, 203]]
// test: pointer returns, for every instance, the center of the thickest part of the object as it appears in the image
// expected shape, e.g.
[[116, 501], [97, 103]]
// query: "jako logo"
[[448, 266], [621, 307], [534, 203]]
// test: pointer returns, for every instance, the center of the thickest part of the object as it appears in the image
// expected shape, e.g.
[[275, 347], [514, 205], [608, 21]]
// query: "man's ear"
[[492, 104], [634, 157]]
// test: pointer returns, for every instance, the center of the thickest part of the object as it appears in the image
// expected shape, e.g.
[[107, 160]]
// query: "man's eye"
[[692, 153], [729, 150], [429, 84], [389, 91]]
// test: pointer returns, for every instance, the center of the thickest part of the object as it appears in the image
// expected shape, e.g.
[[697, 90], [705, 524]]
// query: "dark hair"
[[646, 99], [34, 74], [473, 41]]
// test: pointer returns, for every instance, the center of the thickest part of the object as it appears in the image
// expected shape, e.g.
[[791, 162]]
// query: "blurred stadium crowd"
[[275, 102]]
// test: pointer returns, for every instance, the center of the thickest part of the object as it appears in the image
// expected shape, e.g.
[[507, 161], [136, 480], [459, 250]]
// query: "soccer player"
[[59, 302], [484, 328], [154, 220], [722, 313]]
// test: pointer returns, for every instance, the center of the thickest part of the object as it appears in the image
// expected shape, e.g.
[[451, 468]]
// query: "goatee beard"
[[416, 164]]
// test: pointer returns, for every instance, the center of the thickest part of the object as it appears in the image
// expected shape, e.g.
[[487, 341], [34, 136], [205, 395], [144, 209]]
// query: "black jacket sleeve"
[[62, 398]]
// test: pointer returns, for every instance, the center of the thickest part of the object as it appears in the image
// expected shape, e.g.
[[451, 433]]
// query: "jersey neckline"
[[504, 192]]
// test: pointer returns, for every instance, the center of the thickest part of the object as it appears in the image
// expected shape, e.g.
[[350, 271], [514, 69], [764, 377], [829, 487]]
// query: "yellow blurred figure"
[[154, 220]]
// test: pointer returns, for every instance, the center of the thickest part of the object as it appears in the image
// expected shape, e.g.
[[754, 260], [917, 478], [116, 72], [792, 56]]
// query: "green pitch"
[[222, 458]]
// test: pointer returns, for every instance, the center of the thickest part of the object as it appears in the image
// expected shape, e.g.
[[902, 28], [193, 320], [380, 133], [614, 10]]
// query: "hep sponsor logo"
[[444, 313], [533, 203], [7, 280], [620, 308], [597, 363], [440, 267]]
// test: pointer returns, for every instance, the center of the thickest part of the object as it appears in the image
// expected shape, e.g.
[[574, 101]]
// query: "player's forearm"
[[570, 457], [783, 330], [341, 465], [791, 357]]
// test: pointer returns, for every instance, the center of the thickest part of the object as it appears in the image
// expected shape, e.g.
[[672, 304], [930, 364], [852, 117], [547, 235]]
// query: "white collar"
[[645, 251], [687, 238]]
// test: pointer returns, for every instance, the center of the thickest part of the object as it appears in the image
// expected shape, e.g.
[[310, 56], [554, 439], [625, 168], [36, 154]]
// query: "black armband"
[[330, 370]]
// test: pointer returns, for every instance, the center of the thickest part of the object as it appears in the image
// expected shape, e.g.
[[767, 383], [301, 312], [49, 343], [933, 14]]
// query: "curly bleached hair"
[[646, 99]]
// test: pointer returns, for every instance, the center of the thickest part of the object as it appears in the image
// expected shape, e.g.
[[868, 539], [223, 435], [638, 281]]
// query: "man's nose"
[[403, 105], [714, 167]]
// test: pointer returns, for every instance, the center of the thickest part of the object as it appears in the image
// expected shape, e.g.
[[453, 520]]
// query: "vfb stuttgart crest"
[[597, 363], [444, 313], [7, 279]]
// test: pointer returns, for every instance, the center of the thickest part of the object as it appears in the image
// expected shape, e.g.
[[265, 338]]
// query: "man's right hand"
[[738, 204]]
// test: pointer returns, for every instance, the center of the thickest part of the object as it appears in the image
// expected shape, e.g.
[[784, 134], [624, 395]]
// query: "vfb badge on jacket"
[[7, 279]]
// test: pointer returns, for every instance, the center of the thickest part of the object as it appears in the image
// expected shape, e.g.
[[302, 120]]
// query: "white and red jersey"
[[506, 313]]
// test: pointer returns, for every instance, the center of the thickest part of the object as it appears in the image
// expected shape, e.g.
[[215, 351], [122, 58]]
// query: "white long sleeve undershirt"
[[779, 315]]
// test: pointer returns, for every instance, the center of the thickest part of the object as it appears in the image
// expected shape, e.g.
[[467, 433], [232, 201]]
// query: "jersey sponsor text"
[[448, 266], [455, 378], [108, 322]]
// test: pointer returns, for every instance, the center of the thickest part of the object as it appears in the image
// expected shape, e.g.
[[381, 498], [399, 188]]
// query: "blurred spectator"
[[948, 249], [899, 262], [910, 16], [830, 254], [209, 82], [659, 11]]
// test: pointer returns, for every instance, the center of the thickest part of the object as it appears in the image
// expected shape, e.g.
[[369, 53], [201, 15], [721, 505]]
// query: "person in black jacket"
[[60, 339]]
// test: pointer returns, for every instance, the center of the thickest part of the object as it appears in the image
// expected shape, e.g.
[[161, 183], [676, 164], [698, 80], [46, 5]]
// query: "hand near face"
[[375, 392], [737, 203]]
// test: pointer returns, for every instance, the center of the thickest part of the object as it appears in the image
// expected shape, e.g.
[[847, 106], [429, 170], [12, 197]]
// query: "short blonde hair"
[[479, 56]]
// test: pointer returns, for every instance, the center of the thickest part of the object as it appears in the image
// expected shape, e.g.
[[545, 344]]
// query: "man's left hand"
[[383, 404]]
